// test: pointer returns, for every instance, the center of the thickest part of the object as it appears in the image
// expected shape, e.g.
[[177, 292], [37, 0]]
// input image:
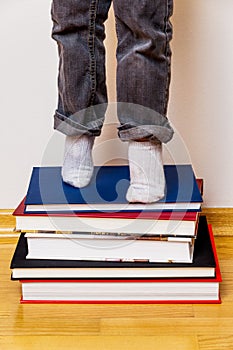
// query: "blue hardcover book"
[[47, 192]]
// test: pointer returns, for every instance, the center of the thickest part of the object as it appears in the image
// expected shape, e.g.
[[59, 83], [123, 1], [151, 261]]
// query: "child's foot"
[[77, 167], [147, 181]]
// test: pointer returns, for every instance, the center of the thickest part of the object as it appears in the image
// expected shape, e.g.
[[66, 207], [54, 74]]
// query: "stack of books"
[[90, 245]]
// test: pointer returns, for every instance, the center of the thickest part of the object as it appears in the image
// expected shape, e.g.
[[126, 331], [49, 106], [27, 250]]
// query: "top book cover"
[[107, 191]]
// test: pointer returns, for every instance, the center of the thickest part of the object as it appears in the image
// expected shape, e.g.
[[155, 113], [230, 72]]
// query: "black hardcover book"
[[203, 265]]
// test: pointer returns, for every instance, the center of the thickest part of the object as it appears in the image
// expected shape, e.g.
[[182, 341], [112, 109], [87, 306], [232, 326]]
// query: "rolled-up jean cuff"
[[153, 133], [71, 127], [139, 122]]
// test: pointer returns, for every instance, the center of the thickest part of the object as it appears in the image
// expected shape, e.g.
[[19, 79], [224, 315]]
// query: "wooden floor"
[[103, 327]]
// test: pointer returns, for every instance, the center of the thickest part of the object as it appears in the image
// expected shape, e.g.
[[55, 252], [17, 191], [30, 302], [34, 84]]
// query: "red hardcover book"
[[166, 223], [121, 291]]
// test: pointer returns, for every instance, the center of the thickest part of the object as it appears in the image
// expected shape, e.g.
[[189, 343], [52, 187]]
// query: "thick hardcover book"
[[204, 263], [107, 191], [108, 246], [117, 291], [166, 223]]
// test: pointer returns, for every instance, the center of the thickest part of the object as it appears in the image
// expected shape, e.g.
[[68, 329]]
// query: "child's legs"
[[143, 71], [78, 28]]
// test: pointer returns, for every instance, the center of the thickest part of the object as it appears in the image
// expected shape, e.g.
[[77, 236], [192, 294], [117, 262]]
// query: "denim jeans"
[[143, 54]]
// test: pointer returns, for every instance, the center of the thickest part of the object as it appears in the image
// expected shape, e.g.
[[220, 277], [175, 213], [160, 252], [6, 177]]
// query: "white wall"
[[200, 108]]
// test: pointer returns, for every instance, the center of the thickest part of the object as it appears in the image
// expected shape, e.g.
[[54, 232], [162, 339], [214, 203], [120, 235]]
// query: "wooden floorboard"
[[221, 220], [100, 327]]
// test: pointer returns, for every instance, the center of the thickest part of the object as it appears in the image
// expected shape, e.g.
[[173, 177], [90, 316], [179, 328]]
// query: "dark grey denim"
[[144, 32]]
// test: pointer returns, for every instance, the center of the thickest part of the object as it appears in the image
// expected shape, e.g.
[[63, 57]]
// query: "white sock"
[[77, 167], [147, 181]]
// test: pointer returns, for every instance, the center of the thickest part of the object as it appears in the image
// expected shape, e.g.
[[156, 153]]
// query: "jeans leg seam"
[[91, 46], [166, 21]]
